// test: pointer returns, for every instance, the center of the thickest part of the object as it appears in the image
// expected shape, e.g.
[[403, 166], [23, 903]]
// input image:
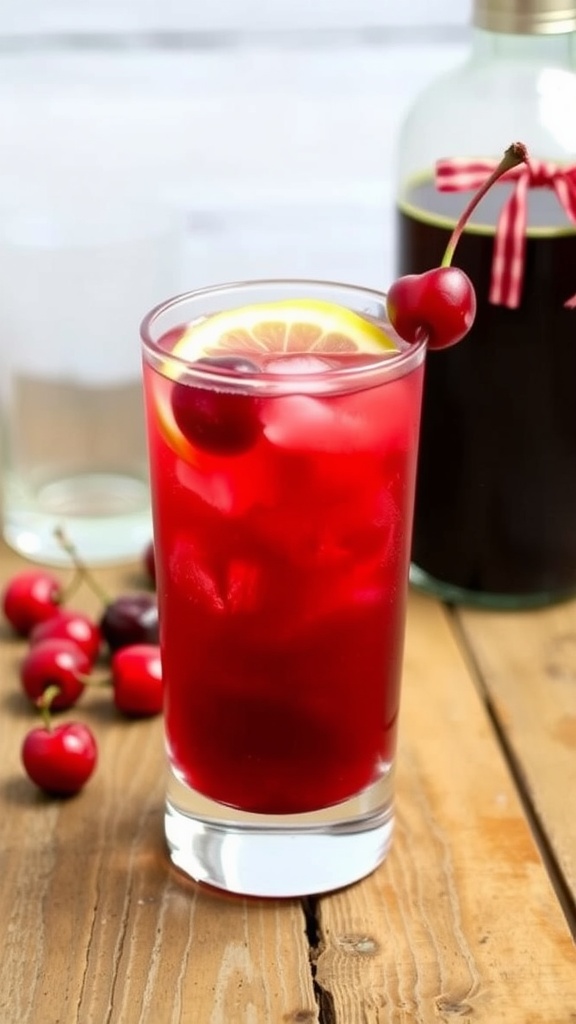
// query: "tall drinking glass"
[[282, 466]]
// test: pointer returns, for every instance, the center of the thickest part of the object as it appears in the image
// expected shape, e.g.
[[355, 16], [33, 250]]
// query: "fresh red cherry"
[[137, 680], [30, 597], [60, 760], [130, 619], [70, 625], [440, 304], [218, 421], [57, 663]]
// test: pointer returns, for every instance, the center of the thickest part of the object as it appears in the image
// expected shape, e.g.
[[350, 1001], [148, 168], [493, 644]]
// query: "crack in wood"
[[324, 999], [551, 864], [326, 1008], [310, 910]]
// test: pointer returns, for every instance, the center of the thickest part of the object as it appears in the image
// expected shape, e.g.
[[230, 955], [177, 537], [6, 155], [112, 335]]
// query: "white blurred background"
[[274, 123]]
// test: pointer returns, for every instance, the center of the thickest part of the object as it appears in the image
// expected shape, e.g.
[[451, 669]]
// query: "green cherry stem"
[[44, 703], [514, 155], [81, 570]]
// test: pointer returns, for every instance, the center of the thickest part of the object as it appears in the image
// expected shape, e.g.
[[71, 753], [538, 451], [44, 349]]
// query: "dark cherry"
[[440, 304], [221, 422], [130, 619]]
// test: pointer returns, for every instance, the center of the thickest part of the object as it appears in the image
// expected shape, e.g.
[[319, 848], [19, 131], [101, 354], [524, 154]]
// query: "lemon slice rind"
[[266, 328], [233, 331]]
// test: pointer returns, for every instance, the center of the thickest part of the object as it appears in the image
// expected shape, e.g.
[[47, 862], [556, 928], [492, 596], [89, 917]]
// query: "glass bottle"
[[495, 520]]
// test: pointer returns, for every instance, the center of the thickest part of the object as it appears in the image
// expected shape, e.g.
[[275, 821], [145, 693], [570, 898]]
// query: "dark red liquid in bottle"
[[496, 496]]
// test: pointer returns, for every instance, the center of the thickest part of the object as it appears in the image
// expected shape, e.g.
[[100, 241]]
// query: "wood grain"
[[461, 923], [95, 926], [526, 665]]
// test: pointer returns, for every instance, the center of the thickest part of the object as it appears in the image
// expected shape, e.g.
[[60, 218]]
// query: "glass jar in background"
[[89, 236], [495, 518], [106, 128]]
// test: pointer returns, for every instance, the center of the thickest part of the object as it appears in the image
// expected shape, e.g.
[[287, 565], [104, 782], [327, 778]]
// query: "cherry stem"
[[514, 155], [81, 570], [70, 589], [44, 703], [104, 680]]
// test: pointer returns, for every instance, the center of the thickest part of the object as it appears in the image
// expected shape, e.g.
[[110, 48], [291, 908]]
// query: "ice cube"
[[303, 363], [235, 484], [387, 417], [244, 586], [304, 423], [194, 578], [219, 573], [376, 420]]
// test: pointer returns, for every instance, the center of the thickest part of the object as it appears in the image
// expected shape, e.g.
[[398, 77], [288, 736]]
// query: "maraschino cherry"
[[217, 421], [440, 304]]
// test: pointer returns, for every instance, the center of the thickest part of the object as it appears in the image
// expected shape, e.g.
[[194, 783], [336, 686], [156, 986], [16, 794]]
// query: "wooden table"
[[471, 919]]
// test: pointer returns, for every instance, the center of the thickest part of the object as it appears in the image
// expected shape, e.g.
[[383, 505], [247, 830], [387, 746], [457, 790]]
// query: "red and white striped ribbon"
[[459, 174]]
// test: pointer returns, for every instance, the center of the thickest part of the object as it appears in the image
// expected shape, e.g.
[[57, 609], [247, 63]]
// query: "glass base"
[[106, 516], [278, 856], [447, 592]]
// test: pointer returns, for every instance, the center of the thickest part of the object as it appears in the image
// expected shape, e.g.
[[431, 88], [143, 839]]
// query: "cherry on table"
[[70, 625], [222, 422], [137, 680], [58, 663], [130, 619], [126, 619], [30, 597], [60, 760]]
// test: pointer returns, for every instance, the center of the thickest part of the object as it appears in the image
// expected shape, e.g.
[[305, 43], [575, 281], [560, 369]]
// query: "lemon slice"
[[288, 326], [273, 328]]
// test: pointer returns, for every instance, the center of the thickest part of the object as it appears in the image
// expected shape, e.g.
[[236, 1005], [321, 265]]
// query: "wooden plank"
[[95, 926], [527, 671], [461, 922]]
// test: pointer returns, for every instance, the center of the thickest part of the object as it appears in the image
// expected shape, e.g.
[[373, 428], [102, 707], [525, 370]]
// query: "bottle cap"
[[525, 17]]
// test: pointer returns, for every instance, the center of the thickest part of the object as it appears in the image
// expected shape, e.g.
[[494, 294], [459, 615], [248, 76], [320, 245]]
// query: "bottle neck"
[[556, 50]]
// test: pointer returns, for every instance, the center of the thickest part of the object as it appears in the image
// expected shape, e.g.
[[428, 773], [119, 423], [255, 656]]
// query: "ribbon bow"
[[508, 259]]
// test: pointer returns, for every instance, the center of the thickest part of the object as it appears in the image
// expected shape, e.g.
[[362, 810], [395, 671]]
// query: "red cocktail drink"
[[283, 485]]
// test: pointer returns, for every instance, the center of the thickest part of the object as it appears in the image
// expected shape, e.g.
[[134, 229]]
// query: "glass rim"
[[393, 364]]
